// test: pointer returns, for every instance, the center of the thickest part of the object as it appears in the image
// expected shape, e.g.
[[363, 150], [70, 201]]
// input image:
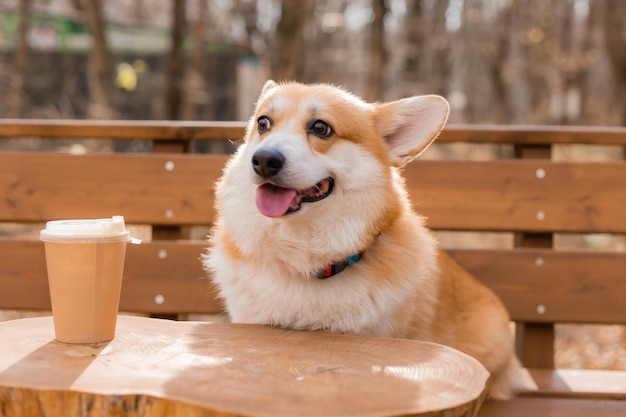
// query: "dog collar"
[[336, 267]]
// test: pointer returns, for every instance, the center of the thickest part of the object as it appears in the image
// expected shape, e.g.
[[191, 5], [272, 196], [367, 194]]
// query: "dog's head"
[[308, 142], [319, 165]]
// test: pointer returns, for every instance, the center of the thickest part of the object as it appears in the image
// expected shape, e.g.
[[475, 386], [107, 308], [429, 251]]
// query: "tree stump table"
[[164, 368]]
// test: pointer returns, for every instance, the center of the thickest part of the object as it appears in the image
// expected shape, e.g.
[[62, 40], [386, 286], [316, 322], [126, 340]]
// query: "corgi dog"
[[315, 229]]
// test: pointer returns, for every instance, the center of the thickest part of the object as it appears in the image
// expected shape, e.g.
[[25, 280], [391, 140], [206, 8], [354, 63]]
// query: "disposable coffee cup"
[[85, 261]]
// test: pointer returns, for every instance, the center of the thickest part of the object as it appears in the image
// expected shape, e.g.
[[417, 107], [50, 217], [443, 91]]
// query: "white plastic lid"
[[100, 230]]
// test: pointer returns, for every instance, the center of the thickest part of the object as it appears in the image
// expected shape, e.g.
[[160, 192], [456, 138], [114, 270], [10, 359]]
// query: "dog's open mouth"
[[275, 201]]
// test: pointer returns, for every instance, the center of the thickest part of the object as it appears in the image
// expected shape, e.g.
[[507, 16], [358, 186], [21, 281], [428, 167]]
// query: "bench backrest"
[[170, 191]]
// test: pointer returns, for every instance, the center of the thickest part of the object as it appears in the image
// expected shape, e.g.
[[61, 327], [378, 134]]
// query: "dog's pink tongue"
[[273, 201]]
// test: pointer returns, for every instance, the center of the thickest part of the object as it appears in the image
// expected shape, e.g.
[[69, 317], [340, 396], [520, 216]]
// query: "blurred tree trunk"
[[288, 41], [377, 54], [176, 64], [571, 50], [468, 55], [252, 73], [413, 45], [615, 35], [435, 67], [99, 68], [598, 92], [248, 11], [516, 74], [195, 88], [498, 69], [18, 72]]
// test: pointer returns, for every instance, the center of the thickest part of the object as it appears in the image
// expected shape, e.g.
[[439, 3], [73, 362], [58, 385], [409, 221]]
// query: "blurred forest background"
[[497, 61]]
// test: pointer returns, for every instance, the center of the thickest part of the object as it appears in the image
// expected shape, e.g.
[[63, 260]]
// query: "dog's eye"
[[321, 129], [263, 124]]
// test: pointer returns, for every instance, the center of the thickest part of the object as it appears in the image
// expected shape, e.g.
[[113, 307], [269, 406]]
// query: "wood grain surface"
[[163, 368]]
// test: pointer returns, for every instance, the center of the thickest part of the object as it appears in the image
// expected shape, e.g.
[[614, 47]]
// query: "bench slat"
[[171, 270], [552, 407], [579, 383], [454, 195], [122, 129], [565, 280], [534, 135], [509, 196], [567, 286], [38, 187], [168, 129]]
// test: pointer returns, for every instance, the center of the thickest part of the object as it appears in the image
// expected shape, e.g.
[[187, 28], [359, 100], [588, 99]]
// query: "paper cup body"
[[85, 262]]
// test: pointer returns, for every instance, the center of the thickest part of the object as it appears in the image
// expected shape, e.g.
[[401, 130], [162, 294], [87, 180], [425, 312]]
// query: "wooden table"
[[164, 368]]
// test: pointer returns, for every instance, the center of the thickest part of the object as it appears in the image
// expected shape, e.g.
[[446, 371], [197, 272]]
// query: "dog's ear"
[[269, 85], [410, 125]]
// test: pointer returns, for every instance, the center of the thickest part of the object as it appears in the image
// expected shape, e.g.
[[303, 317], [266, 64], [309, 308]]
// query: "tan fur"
[[403, 286]]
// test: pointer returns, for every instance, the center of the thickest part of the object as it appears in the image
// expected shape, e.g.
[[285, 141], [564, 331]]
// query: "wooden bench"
[[525, 194]]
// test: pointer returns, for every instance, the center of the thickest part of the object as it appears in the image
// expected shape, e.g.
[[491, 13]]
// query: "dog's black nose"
[[267, 162]]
